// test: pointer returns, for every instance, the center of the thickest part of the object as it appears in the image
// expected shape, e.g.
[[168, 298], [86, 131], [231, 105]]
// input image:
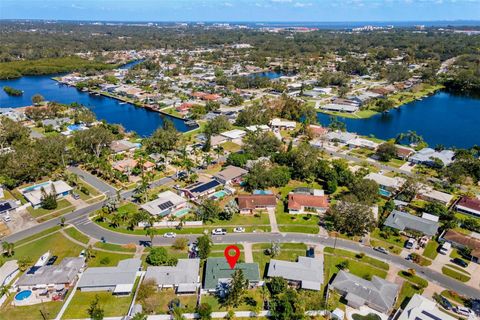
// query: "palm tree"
[[151, 233], [89, 253], [62, 221], [219, 151], [5, 290], [116, 220], [8, 248]]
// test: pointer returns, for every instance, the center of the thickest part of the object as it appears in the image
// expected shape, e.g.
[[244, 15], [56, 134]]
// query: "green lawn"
[[458, 268], [392, 239], [63, 206], [355, 267], [38, 235], [299, 229], [106, 259], [406, 293], [114, 247], [356, 256], [113, 306], [414, 279], [455, 275], [33, 312], [56, 243], [255, 294], [391, 248], [163, 297], [431, 250], [77, 235], [453, 296]]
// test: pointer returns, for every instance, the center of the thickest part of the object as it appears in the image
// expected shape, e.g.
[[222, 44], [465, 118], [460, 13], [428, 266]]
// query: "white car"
[[463, 311], [381, 249], [239, 229], [219, 232], [7, 219], [170, 235]]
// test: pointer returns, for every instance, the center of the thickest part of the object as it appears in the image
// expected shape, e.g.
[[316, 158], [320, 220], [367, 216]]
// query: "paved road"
[[97, 232], [96, 182]]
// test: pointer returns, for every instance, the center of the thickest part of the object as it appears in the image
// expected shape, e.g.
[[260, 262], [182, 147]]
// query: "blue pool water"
[[384, 193], [74, 127], [182, 212], [23, 295], [219, 194], [36, 186]]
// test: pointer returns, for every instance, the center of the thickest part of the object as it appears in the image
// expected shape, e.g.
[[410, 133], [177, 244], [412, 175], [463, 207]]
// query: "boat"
[[191, 123], [122, 102], [42, 260]]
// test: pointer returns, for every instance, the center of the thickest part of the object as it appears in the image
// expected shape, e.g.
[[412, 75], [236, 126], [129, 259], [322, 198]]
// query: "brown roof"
[[296, 201], [471, 203], [318, 130], [464, 240], [252, 201], [403, 152]]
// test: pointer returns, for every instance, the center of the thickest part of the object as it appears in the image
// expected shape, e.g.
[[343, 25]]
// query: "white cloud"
[[302, 4]]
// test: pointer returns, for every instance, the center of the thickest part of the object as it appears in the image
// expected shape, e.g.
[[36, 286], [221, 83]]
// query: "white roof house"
[[428, 155], [259, 127], [165, 204], [119, 279], [8, 271], [341, 136], [184, 276], [340, 107], [308, 272], [34, 193], [386, 182], [363, 143], [234, 134], [279, 123], [429, 194], [421, 308]]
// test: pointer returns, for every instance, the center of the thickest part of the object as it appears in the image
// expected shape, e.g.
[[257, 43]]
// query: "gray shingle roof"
[[124, 273], [64, 272], [217, 269], [185, 272], [308, 271], [378, 293], [401, 220]]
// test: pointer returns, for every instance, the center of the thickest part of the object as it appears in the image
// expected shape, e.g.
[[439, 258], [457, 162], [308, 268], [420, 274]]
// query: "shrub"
[[105, 260], [343, 265]]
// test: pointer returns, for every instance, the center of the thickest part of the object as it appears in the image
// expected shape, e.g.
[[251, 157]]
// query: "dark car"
[[52, 260], [311, 252], [460, 262], [445, 303]]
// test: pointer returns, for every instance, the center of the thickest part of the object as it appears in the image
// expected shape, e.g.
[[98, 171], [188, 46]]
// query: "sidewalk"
[[273, 221]]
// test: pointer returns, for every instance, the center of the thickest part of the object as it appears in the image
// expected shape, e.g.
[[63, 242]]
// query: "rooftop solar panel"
[[431, 316], [4, 206], [206, 186], [165, 205]]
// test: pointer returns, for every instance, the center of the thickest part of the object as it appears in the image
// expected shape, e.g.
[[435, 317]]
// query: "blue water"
[[23, 295], [269, 74], [442, 118], [132, 118]]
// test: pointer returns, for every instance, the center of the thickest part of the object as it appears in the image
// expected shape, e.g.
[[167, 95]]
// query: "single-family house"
[[166, 204], [362, 143], [306, 273], [8, 271], [421, 308], [122, 146], [7, 207], [184, 277], [403, 152], [230, 175], [317, 131], [469, 206], [387, 185], [460, 241], [427, 157], [34, 194], [259, 127], [119, 280], [125, 166], [235, 134], [340, 136], [52, 277], [403, 221], [280, 124], [378, 294], [429, 194], [348, 108], [201, 188], [218, 273], [248, 203], [56, 123], [307, 201]]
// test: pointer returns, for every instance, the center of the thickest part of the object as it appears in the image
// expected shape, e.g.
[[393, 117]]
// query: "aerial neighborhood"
[[124, 203]]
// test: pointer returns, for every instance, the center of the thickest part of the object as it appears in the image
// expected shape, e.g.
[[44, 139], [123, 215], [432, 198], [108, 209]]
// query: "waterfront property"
[[119, 280], [218, 273], [429, 157], [184, 277], [378, 294], [34, 194], [306, 273]]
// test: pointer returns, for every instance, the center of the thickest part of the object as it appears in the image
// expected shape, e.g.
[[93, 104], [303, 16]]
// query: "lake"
[[443, 118], [132, 118], [270, 74]]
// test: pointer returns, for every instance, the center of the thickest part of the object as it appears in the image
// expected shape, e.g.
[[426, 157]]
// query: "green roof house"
[[217, 271]]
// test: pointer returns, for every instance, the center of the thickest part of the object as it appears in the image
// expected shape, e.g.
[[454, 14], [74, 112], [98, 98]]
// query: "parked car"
[[445, 248], [311, 252], [51, 260], [239, 229], [460, 262], [219, 232], [75, 196], [463, 311], [169, 235], [410, 243], [82, 253], [381, 249], [7, 218], [445, 303]]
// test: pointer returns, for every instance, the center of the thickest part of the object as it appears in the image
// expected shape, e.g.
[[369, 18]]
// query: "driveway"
[[94, 181]]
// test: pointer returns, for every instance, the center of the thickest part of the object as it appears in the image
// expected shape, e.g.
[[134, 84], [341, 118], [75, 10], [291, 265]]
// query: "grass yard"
[[106, 259], [231, 146], [431, 250], [38, 235], [391, 248], [56, 243], [390, 238], [163, 297], [414, 279], [63, 206], [458, 268], [355, 267], [455, 297], [113, 306], [33, 312], [115, 247], [406, 293], [357, 256], [455, 275], [77, 235], [299, 229], [254, 295]]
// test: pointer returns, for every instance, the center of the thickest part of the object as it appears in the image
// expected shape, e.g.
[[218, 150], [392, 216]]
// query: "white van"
[[446, 246]]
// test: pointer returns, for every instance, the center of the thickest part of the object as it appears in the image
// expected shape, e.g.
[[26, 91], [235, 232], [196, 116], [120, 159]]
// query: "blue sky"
[[242, 10]]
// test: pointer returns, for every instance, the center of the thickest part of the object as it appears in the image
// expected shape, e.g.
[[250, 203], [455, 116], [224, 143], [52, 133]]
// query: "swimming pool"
[[75, 127], [36, 186], [219, 194], [23, 295], [384, 193], [182, 212]]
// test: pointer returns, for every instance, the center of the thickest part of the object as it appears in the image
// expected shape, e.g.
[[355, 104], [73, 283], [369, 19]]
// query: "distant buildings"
[[387, 185]]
